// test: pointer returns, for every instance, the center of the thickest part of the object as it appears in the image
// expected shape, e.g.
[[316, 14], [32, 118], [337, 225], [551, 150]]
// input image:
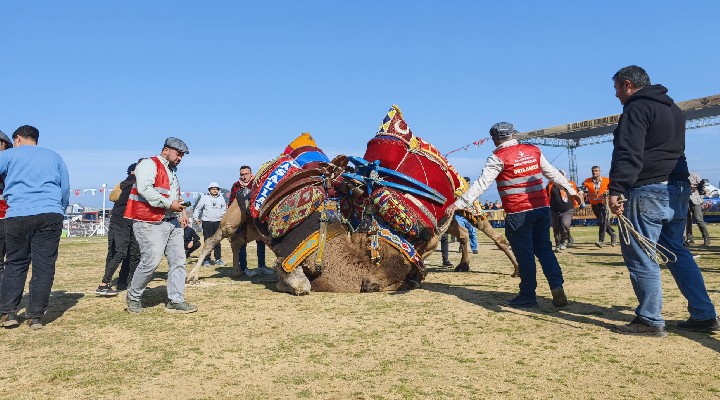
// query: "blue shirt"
[[36, 181]]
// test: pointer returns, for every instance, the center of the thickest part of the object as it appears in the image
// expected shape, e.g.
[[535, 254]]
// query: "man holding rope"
[[649, 169]]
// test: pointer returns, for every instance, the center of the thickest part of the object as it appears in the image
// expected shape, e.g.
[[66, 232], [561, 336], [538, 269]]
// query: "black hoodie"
[[649, 142]]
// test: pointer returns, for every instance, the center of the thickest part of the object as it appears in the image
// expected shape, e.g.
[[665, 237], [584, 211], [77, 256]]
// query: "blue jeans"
[[260, 255], [658, 211], [529, 235], [471, 231]]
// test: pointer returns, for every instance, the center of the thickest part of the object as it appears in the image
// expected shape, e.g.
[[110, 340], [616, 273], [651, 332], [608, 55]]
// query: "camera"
[[186, 204]]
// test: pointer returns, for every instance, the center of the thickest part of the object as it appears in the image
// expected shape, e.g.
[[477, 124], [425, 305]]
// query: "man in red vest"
[[518, 169], [159, 217]]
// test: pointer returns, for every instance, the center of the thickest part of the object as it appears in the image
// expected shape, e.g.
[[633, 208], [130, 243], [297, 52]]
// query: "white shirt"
[[494, 166]]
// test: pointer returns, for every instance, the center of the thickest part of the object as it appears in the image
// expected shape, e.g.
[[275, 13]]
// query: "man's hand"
[[189, 245], [450, 211], [177, 206], [577, 198], [616, 207], [198, 221], [183, 218]]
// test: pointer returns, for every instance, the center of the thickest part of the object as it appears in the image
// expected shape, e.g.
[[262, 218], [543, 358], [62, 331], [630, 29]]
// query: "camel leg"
[[236, 243], [501, 243], [461, 233], [294, 282], [207, 248]]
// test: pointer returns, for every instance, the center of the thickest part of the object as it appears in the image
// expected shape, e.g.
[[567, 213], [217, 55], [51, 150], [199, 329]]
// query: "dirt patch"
[[452, 338]]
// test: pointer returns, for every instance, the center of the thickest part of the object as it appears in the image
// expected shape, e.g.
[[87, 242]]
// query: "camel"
[[346, 265]]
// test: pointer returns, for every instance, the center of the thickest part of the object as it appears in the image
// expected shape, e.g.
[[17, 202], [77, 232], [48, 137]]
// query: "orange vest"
[[520, 184], [596, 197], [3, 202], [138, 208], [550, 186]]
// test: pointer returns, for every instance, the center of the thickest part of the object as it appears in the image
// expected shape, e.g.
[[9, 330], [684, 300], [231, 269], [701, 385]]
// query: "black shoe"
[[106, 290], [599, 244], [640, 328], [523, 302], [9, 320], [613, 241], [475, 251], [559, 298], [35, 323], [447, 263], [706, 242], [694, 325]]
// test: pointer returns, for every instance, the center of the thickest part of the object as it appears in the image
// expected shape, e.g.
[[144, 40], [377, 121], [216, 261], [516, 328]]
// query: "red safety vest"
[[594, 197], [138, 208], [3, 202], [520, 184]]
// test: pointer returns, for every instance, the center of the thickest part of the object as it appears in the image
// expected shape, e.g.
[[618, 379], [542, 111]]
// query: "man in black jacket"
[[192, 241], [122, 246], [649, 169]]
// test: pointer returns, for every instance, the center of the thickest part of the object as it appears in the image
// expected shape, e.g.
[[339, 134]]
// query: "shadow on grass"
[[576, 311], [60, 301]]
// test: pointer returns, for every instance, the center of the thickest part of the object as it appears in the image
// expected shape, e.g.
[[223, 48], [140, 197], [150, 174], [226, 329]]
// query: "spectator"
[[695, 211], [527, 220], [37, 189], [192, 241], [241, 191], [562, 210], [5, 143], [159, 218], [209, 210], [488, 205], [497, 205], [650, 170], [596, 188], [121, 242]]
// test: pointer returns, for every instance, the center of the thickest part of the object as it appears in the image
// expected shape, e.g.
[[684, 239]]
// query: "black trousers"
[[445, 247], [599, 211], [35, 239], [2, 250], [122, 248], [195, 246], [209, 228]]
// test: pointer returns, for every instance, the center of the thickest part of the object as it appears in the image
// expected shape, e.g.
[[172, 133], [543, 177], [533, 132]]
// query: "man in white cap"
[[518, 169], [208, 212], [159, 217]]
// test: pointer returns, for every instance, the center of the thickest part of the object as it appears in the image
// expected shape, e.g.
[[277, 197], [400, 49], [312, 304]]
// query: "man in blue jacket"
[[37, 189]]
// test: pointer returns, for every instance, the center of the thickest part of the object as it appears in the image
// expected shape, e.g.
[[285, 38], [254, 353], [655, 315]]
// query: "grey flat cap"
[[502, 130], [6, 139], [176, 144]]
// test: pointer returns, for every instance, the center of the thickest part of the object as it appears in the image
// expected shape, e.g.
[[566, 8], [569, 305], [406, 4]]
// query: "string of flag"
[[101, 190], [476, 143]]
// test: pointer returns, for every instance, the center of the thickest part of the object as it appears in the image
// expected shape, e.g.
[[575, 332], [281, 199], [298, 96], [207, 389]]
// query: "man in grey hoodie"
[[208, 212]]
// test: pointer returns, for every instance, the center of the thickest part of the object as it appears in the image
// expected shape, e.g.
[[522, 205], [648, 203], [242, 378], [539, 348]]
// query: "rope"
[[655, 251]]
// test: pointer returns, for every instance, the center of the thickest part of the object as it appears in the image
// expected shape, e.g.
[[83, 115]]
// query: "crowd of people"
[[649, 185]]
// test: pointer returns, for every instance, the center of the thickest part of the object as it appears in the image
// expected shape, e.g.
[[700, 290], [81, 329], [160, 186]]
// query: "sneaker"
[[134, 306], [219, 262], [264, 270], [250, 272], [180, 308], [559, 298], [695, 325], [639, 328], [206, 263], [105, 290], [599, 244], [9, 320], [447, 263], [571, 241], [523, 302], [613, 241], [562, 246], [558, 249], [706, 242], [35, 324], [475, 251]]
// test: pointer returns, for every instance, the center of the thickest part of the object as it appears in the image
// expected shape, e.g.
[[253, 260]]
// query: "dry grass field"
[[453, 338]]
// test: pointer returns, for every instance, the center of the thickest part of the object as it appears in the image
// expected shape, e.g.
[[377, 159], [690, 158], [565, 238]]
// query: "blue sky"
[[106, 82]]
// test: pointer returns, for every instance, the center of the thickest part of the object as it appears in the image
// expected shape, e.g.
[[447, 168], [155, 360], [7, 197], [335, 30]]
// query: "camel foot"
[[368, 286], [294, 283], [462, 268], [282, 286]]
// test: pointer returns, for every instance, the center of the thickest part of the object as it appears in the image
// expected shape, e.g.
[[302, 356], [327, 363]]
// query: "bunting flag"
[[476, 143]]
